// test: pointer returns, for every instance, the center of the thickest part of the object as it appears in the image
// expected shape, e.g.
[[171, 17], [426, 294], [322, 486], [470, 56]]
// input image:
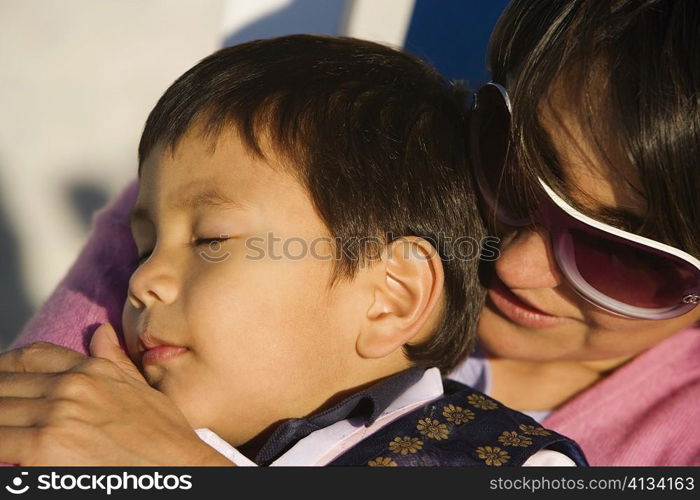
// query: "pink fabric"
[[94, 290], [646, 413]]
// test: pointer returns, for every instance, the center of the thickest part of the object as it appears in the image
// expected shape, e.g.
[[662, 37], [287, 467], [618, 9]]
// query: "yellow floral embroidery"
[[512, 438], [382, 462], [533, 430], [492, 455], [405, 445], [481, 402], [457, 414], [432, 428]]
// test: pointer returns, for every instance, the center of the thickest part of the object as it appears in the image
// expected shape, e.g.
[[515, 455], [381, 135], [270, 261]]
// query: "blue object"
[[453, 36]]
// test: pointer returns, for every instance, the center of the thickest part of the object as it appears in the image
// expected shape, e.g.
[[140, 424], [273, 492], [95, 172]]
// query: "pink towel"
[[646, 413]]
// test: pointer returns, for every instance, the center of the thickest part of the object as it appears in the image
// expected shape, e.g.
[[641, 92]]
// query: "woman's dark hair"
[[375, 135], [631, 69]]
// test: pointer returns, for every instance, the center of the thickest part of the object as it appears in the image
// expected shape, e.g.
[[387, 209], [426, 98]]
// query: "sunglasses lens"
[[636, 276], [490, 142]]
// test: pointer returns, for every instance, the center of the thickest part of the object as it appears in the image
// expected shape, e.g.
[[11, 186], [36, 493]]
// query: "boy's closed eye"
[[197, 242]]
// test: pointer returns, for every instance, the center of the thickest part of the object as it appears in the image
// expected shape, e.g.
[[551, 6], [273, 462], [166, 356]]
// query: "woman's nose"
[[152, 282], [526, 260]]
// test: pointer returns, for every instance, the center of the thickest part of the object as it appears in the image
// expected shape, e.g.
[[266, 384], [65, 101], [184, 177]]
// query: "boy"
[[303, 209]]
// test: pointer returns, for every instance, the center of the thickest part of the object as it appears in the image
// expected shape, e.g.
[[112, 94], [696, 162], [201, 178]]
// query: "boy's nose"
[[526, 260], [151, 283]]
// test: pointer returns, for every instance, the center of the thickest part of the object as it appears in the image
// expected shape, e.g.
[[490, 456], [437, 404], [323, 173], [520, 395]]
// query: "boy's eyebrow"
[[209, 197]]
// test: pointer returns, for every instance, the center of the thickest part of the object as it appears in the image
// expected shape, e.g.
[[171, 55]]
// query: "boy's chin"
[[189, 400], [154, 375]]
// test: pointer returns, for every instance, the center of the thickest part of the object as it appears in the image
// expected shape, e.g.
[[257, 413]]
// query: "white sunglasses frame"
[[581, 286]]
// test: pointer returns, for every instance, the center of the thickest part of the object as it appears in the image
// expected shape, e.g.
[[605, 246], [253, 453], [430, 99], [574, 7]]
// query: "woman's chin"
[[502, 338], [573, 342]]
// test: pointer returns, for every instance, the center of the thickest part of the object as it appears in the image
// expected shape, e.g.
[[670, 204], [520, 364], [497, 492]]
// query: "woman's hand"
[[60, 407]]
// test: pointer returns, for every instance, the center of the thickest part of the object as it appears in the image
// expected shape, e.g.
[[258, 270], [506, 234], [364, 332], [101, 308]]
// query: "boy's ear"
[[407, 288]]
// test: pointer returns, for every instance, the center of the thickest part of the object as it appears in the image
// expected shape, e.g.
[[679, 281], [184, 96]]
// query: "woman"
[[605, 111], [583, 326]]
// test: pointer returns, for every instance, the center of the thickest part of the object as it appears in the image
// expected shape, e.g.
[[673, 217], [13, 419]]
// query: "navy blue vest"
[[462, 427]]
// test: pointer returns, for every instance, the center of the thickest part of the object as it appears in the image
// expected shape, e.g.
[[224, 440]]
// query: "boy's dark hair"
[[631, 69], [375, 135]]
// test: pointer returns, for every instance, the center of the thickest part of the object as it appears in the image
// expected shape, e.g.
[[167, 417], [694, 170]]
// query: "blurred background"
[[79, 77]]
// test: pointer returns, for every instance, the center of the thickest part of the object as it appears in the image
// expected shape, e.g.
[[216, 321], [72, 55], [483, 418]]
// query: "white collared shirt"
[[324, 445]]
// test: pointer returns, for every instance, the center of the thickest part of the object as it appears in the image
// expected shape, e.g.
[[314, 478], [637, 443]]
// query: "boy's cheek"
[[129, 332]]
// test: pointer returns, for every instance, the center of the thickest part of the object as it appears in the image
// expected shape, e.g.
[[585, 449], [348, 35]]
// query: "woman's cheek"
[[630, 337], [600, 320]]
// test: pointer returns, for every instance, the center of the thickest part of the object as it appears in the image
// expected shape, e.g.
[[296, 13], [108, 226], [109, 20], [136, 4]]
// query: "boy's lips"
[[513, 308], [162, 353], [154, 350], [148, 341]]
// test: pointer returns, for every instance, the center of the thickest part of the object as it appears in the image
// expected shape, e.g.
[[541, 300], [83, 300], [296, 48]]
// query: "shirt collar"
[[368, 403]]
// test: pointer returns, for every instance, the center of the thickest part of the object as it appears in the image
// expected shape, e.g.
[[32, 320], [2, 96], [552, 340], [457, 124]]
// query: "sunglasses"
[[618, 271]]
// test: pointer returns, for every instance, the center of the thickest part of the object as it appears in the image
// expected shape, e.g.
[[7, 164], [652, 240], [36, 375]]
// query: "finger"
[[40, 357], [22, 412], [18, 444], [105, 344], [25, 385]]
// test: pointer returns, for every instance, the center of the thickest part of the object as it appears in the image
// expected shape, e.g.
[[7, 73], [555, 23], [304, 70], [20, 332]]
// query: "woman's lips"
[[162, 353], [519, 312]]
